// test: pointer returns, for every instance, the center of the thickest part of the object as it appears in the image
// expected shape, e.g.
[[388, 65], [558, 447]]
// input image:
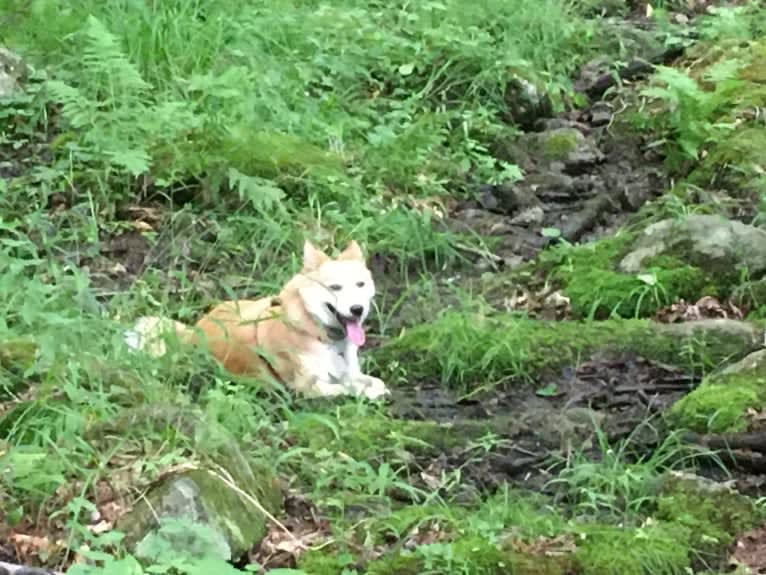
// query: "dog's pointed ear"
[[352, 252], [313, 257]]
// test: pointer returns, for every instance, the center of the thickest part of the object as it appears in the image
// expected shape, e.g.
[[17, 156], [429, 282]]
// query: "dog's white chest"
[[328, 361]]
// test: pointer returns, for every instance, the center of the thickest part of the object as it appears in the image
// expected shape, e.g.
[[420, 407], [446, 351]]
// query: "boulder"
[[219, 509], [714, 244], [200, 514]]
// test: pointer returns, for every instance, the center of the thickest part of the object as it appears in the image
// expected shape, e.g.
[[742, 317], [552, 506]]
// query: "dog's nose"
[[357, 310]]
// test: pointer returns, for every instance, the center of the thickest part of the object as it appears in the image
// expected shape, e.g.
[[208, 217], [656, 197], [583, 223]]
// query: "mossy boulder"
[[712, 512], [201, 513], [219, 506], [721, 402], [724, 249], [465, 350], [565, 147], [589, 276]]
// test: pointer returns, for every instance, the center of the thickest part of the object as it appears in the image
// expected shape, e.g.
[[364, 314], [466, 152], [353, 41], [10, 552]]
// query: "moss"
[[473, 555], [396, 564], [368, 435], [588, 276], [653, 549], [316, 562], [601, 293], [557, 145], [465, 349], [712, 516], [16, 356], [720, 403]]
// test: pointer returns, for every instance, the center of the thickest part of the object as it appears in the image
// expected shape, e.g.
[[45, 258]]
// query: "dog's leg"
[[360, 383], [319, 376]]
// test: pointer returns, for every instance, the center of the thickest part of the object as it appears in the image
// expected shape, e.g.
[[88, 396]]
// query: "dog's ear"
[[352, 252], [313, 257]]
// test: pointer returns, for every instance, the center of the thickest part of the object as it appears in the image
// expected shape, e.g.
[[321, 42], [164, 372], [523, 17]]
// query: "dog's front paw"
[[371, 387]]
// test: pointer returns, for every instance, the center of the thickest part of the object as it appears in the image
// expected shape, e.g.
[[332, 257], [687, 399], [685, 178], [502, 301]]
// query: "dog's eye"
[[336, 287], [359, 284]]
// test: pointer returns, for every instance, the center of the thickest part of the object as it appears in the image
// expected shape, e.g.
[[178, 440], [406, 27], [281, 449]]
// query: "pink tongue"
[[355, 333]]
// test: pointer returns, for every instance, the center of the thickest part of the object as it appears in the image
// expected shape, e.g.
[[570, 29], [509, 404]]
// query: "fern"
[[694, 117], [115, 119]]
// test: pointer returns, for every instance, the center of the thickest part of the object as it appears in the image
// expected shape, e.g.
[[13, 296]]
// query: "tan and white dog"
[[307, 337]]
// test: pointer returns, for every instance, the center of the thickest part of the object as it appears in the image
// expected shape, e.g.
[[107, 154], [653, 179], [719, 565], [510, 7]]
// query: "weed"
[[621, 482]]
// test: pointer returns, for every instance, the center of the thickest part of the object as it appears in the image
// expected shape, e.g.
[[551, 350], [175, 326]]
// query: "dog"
[[307, 337]]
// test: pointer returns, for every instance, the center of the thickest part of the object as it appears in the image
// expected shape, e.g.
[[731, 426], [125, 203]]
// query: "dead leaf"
[[705, 308], [749, 550], [31, 547]]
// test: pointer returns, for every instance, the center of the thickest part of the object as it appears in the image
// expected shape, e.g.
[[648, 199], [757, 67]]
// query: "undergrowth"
[[162, 155]]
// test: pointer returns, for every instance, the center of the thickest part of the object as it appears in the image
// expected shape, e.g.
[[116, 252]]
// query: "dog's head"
[[338, 291]]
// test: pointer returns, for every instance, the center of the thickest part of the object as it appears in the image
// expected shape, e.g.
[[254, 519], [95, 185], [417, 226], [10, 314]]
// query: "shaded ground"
[[614, 393]]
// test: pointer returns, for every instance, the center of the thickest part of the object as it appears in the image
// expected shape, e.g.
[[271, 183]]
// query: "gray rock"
[[201, 511], [719, 246], [566, 147], [529, 216], [197, 514], [526, 104], [13, 569], [755, 361], [12, 71]]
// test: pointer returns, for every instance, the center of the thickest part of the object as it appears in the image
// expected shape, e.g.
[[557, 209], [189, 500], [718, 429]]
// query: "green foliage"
[[621, 482], [412, 95], [714, 515], [472, 350], [656, 547], [693, 118]]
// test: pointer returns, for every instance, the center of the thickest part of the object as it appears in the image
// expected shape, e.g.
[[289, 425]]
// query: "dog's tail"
[[149, 334]]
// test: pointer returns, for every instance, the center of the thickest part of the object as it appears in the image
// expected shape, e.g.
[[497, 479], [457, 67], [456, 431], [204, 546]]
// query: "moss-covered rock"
[[721, 247], [713, 513], [589, 276], [721, 402], [199, 512], [470, 349], [470, 554]]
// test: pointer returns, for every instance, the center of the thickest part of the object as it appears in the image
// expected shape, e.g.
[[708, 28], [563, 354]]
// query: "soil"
[[618, 392]]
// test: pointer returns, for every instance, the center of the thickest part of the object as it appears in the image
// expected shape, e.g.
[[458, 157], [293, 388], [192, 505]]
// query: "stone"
[[215, 509], [755, 362], [197, 514], [529, 216], [566, 148], [12, 72], [714, 244], [740, 336], [525, 103]]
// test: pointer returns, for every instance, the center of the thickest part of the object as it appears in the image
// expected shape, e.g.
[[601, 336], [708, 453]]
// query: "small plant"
[[694, 116], [621, 482]]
